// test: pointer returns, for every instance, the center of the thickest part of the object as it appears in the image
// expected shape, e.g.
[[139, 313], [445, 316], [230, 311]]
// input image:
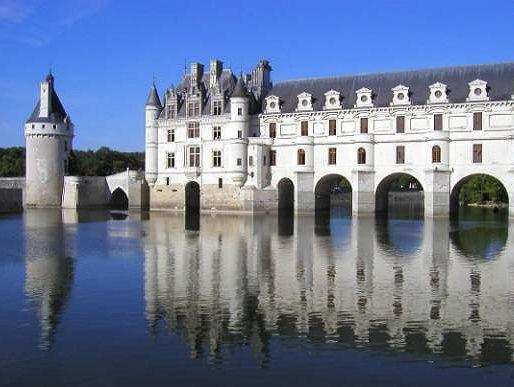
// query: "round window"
[[401, 96], [272, 105], [438, 93], [478, 91], [304, 102], [332, 101], [364, 98]]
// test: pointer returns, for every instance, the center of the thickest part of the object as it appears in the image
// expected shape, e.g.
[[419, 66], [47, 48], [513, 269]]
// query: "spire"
[[153, 97], [240, 89]]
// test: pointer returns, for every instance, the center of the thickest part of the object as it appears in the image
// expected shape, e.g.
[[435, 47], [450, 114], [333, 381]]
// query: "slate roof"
[[56, 115], [153, 98], [240, 90], [499, 78]]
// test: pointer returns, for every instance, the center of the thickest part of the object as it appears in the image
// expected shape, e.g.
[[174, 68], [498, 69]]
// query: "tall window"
[[332, 156], [239, 134], [400, 154], [438, 122], [272, 157], [250, 161], [332, 127], [216, 132], [239, 162], [273, 130], [436, 154], [477, 121], [220, 182], [364, 125], [216, 108], [216, 158], [193, 108], [170, 160], [239, 111], [361, 156], [300, 157], [400, 124], [170, 111], [193, 129], [171, 135], [304, 128], [477, 153], [194, 156]]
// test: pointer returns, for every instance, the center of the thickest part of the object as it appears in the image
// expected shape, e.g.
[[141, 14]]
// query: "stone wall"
[[12, 194]]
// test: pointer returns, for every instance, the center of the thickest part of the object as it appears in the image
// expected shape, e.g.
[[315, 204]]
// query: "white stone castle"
[[222, 143]]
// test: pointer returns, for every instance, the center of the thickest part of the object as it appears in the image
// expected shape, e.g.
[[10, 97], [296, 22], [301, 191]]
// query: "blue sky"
[[103, 52]]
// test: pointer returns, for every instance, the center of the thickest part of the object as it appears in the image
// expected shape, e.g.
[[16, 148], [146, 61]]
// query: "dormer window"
[[217, 108], [400, 95], [304, 102], [170, 111], [438, 93], [272, 104], [193, 108], [477, 91], [364, 98], [332, 100]]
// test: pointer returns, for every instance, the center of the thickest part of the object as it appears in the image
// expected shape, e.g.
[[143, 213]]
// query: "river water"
[[133, 299]]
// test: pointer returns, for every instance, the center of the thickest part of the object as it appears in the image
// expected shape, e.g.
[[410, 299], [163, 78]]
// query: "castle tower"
[[48, 138], [153, 108], [240, 123]]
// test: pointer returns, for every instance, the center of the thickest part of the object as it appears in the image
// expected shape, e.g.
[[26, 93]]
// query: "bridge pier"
[[437, 193], [304, 201], [363, 192]]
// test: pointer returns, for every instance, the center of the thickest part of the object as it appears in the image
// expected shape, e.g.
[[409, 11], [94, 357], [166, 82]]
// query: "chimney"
[[45, 96], [196, 73], [215, 71]]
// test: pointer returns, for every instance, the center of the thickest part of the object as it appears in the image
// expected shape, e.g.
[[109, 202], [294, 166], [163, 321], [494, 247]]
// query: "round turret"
[[153, 109]]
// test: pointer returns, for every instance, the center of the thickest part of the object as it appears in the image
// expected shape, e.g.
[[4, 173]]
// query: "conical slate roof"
[[56, 114], [153, 98], [240, 89]]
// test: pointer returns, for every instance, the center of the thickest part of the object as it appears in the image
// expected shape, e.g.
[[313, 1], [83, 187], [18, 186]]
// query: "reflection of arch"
[[480, 242], [119, 199], [499, 186], [400, 183], [332, 190], [361, 156], [399, 238], [285, 195], [301, 157]]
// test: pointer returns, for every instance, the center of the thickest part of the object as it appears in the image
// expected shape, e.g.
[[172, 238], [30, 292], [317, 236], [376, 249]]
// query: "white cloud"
[[14, 11]]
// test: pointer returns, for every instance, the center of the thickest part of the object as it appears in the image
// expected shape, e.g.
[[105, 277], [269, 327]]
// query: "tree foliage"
[[482, 189], [12, 162]]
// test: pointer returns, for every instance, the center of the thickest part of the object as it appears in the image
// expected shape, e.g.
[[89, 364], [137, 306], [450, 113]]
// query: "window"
[[301, 157], [170, 111], [171, 135], [273, 130], [170, 160], [438, 122], [264, 161], [400, 124], [220, 182], [332, 127], [305, 128], [54, 126], [239, 111], [216, 108], [364, 125], [436, 154], [193, 129], [167, 181], [239, 162], [477, 153], [193, 108], [65, 146], [361, 156], [477, 121], [272, 158], [239, 134], [216, 133], [250, 161], [400, 154], [216, 158], [194, 156], [332, 156]]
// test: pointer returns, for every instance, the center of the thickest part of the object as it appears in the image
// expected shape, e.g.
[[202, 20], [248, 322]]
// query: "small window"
[[438, 122], [239, 162], [43, 126], [364, 125], [436, 154], [239, 134], [216, 159], [33, 126], [361, 156], [477, 121], [400, 124], [65, 146], [273, 130], [171, 135], [220, 182], [264, 161], [193, 129], [170, 160], [332, 156], [273, 157], [400, 154], [216, 133], [332, 127], [477, 153], [250, 161], [167, 181], [239, 111], [301, 157], [216, 108], [304, 128], [54, 126]]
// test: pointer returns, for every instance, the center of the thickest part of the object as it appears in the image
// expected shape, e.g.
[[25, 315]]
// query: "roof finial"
[[185, 66]]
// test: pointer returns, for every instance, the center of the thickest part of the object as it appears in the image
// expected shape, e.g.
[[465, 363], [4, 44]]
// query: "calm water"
[[103, 299]]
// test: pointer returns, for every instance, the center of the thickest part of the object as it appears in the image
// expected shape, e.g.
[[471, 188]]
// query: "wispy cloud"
[[14, 11]]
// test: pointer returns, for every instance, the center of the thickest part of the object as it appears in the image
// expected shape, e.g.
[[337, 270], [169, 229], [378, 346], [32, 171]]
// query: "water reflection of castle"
[[406, 286]]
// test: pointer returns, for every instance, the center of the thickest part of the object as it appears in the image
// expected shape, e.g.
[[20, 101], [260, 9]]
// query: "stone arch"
[[119, 199], [410, 184], [285, 194], [456, 189], [329, 186]]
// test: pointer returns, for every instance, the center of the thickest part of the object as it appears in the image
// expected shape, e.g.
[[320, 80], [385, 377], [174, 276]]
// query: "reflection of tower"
[[48, 268]]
